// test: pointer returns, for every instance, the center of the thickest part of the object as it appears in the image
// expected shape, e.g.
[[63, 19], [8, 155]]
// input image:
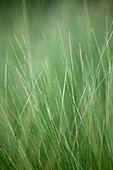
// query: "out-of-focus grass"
[[56, 102]]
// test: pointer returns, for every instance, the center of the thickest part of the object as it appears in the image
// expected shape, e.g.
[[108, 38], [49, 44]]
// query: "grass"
[[56, 93]]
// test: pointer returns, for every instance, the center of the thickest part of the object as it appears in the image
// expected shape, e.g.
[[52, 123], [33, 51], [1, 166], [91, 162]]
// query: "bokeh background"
[[37, 22]]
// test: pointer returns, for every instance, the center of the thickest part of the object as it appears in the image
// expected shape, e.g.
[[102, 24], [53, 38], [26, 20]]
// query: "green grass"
[[56, 90]]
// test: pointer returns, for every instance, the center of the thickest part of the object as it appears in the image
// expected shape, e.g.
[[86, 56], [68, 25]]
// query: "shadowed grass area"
[[56, 87]]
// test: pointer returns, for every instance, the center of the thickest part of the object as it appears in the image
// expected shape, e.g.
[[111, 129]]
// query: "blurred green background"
[[37, 22]]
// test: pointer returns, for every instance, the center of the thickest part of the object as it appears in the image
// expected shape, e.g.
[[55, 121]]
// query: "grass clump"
[[59, 115]]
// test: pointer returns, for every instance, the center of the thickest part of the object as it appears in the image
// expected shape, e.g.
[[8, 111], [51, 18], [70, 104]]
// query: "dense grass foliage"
[[56, 88]]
